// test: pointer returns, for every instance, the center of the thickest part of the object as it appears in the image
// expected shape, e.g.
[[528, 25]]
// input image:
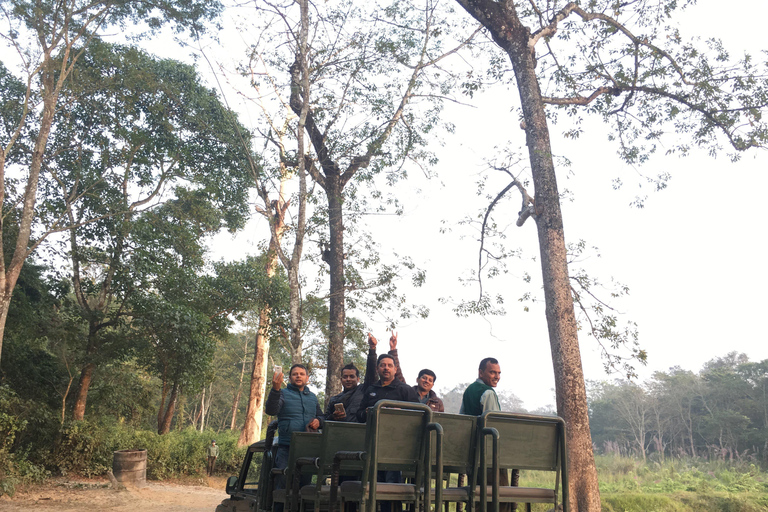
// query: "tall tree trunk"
[[507, 31], [10, 274], [163, 396], [202, 410], [195, 416], [274, 211], [209, 404], [252, 427], [235, 405], [337, 315], [5, 302], [561, 319], [295, 307], [165, 425], [86, 375], [239, 392], [64, 398], [253, 413]]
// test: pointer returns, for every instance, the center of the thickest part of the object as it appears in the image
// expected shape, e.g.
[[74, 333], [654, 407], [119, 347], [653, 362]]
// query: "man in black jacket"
[[352, 395], [386, 388]]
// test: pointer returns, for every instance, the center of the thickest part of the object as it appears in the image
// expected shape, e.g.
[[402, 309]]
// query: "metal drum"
[[130, 467]]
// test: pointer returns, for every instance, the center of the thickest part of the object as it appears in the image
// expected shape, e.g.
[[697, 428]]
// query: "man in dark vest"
[[297, 410], [480, 395]]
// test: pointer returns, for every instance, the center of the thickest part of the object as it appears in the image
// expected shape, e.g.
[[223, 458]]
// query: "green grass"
[[630, 485]]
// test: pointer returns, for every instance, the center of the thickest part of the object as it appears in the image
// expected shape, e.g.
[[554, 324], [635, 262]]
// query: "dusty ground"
[[94, 496]]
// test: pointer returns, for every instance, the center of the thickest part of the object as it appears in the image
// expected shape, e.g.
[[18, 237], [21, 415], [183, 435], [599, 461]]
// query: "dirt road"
[[67, 496]]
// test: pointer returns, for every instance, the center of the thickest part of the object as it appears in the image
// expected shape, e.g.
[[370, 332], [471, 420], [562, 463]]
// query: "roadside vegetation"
[[84, 449]]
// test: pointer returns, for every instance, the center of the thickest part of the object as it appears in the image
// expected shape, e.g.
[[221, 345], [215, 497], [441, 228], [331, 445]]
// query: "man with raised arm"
[[297, 410], [345, 405], [388, 387]]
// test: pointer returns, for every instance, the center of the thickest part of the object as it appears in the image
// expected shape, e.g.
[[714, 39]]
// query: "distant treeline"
[[721, 412]]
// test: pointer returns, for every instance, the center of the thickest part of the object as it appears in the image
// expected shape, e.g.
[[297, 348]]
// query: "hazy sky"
[[693, 258]]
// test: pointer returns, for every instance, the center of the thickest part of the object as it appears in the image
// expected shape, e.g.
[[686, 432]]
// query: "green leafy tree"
[[756, 374], [726, 403], [680, 390], [627, 63], [49, 39], [182, 349], [188, 307], [624, 407], [162, 133], [35, 362]]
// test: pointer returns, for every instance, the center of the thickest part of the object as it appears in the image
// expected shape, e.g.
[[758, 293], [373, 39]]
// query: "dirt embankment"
[[95, 496]]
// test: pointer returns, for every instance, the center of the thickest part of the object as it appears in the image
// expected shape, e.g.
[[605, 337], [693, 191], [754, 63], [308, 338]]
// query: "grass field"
[[629, 485]]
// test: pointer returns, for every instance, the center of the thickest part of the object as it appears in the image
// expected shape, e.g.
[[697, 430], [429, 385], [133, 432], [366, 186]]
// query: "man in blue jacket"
[[297, 410]]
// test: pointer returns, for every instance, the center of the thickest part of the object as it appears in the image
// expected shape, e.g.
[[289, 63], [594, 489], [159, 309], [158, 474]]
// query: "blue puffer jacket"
[[294, 410]]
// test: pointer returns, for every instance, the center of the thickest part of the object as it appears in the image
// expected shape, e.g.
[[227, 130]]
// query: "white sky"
[[694, 257]]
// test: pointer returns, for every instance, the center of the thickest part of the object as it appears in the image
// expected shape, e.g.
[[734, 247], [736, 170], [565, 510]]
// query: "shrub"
[[15, 469]]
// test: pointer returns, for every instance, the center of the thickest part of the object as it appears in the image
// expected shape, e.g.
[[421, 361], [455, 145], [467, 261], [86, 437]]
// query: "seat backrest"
[[303, 444], [396, 436], [526, 441], [341, 436], [459, 438]]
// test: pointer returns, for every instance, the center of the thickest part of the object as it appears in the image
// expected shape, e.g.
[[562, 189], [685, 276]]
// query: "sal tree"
[[49, 38], [132, 132], [626, 62]]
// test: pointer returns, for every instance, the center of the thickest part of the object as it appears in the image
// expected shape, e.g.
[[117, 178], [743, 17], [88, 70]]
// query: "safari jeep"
[[243, 490]]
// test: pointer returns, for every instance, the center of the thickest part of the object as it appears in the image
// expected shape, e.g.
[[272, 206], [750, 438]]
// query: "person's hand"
[[313, 425], [393, 341], [277, 380], [339, 415], [372, 341]]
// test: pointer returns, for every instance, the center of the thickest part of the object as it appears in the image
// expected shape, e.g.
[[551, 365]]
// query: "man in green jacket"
[[213, 452], [480, 395]]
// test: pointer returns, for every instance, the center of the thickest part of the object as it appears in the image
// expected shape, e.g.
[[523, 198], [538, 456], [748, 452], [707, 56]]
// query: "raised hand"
[[372, 341], [277, 380], [393, 341]]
